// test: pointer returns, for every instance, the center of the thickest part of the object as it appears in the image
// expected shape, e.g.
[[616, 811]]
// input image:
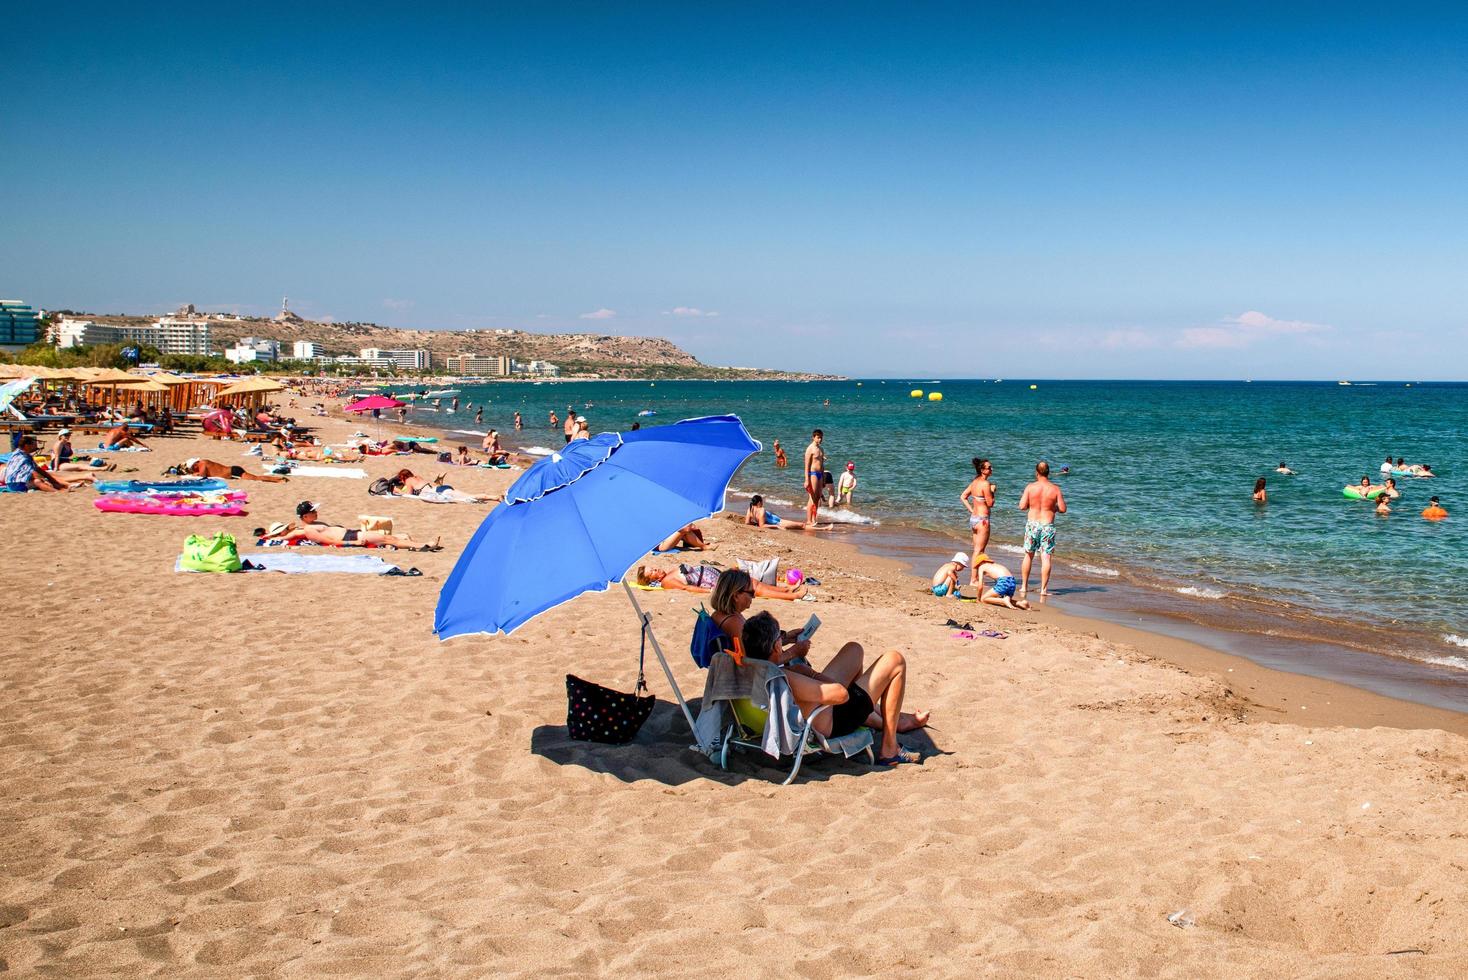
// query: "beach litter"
[[1182, 918]]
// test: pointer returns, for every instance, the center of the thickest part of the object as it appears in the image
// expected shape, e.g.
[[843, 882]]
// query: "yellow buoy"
[[1033, 387], [936, 396], [916, 393]]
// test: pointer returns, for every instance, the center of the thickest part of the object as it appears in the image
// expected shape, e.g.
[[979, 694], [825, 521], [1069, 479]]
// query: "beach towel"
[[340, 472], [294, 564]]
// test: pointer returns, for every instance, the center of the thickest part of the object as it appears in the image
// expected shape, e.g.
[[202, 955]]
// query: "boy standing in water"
[[815, 474], [1042, 500], [846, 485]]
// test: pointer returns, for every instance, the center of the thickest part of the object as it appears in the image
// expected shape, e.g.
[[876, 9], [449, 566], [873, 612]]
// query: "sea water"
[[1159, 483]]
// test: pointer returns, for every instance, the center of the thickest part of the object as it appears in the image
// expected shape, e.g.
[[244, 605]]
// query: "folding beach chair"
[[747, 722]]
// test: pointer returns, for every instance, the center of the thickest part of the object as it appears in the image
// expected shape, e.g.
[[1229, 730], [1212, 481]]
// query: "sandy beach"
[[260, 775]]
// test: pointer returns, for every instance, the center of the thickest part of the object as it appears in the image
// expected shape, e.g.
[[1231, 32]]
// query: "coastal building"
[[544, 369], [20, 326], [482, 365], [407, 360], [182, 335], [306, 350], [351, 360], [170, 334], [250, 349]]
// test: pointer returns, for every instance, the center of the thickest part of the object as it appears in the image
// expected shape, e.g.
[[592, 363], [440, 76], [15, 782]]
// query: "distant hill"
[[576, 354]]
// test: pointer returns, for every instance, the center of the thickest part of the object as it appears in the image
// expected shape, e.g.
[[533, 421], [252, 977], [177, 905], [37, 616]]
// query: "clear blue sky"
[[902, 189]]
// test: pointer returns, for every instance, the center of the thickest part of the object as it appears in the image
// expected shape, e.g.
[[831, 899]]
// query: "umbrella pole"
[[658, 650]]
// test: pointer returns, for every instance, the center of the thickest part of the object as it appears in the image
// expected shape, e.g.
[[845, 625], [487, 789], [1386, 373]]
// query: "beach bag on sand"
[[215, 554], [599, 714], [381, 487], [762, 571]]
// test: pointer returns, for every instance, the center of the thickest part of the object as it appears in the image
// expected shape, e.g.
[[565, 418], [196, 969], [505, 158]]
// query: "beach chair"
[[746, 725]]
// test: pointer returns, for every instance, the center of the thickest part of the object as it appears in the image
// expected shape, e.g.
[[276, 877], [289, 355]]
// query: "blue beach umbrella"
[[578, 519]]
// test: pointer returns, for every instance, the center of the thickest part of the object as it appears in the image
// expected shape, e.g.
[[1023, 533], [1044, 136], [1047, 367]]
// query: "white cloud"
[[1254, 320], [1244, 330], [601, 314], [690, 311]]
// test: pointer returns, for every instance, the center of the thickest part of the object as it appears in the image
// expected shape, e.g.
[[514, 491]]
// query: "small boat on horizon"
[[445, 393]]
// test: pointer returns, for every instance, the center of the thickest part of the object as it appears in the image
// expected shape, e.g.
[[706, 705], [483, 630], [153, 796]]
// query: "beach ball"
[[916, 393], [936, 396], [795, 576]]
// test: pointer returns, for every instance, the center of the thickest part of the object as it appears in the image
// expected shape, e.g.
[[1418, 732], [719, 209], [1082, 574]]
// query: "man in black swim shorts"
[[856, 696]]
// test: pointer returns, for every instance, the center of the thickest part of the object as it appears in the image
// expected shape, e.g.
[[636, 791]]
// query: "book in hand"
[[811, 625]]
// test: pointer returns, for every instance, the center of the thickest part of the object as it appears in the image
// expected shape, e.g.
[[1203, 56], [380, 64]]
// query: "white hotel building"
[[170, 335]]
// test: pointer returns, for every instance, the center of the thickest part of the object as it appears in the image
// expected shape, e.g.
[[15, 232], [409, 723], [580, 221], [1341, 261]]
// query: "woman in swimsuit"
[[312, 529], [732, 596], [669, 580], [855, 695], [978, 499], [688, 537], [1260, 496], [406, 484], [758, 517]]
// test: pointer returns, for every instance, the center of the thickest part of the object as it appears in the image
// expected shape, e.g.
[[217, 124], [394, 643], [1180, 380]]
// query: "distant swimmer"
[[1389, 488], [1042, 500], [780, 461], [519, 424], [978, 499], [1386, 468], [1383, 505], [555, 422], [1260, 497], [1282, 468], [1434, 511], [1001, 593], [479, 416], [945, 579]]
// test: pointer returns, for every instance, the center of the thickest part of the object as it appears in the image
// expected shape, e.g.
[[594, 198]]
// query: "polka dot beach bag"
[[599, 714]]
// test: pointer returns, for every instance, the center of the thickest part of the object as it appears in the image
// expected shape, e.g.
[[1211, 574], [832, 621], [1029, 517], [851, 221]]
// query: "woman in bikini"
[[978, 499], [406, 484], [707, 580], [857, 695], [313, 530], [758, 516]]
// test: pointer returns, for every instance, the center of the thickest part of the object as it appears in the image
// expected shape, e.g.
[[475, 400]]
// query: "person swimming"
[[1434, 511], [1283, 468]]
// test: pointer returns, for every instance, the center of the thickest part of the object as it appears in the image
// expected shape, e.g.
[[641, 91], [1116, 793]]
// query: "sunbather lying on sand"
[[702, 579], [857, 695], [209, 467], [309, 527], [325, 453], [688, 537], [406, 484]]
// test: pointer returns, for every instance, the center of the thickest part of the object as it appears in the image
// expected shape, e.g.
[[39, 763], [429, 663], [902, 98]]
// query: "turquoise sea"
[[1159, 486]]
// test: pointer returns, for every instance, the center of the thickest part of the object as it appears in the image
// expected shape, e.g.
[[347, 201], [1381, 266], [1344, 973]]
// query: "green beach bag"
[[216, 554]]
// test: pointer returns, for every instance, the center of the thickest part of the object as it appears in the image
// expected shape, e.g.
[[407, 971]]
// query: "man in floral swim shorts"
[[1041, 501]]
